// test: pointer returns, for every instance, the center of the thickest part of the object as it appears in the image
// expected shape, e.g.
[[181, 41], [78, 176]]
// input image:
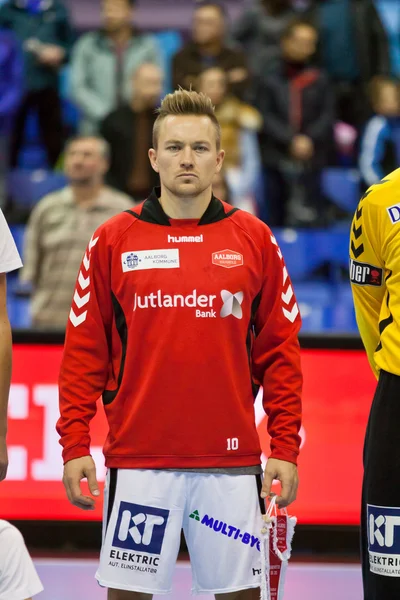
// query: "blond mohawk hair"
[[186, 102]]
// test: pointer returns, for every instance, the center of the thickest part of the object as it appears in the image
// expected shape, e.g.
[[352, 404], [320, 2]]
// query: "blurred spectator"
[[380, 143], [103, 63], [11, 86], [18, 577], [208, 49], [260, 29], [240, 123], [60, 227], [45, 32], [220, 187], [353, 49], [129, 131], [296, 103]]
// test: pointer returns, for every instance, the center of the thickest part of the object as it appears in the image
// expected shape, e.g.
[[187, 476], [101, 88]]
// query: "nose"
[[187, 158]]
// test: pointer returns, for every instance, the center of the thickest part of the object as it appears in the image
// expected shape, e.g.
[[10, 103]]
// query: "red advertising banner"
[[338, 390]]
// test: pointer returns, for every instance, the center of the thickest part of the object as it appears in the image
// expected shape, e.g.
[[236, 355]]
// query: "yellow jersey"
[[375, 272]]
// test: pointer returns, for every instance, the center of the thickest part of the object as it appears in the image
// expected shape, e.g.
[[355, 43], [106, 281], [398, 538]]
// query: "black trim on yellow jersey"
[[385, 322]]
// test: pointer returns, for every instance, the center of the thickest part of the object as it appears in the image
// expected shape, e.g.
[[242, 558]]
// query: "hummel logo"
[[185, 239], [232, 304]]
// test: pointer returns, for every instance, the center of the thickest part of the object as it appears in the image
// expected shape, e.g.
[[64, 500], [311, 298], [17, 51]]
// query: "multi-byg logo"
[[140, 528]]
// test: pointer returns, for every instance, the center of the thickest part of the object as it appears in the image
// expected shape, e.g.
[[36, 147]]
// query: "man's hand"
[[51, 55], [286, 473], [76, 470], [3, 458], [302, 147]]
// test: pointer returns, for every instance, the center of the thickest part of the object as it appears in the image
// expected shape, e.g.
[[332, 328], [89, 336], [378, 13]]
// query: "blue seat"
[[342, 187], [19, 312], [27, 187], [302, 250]]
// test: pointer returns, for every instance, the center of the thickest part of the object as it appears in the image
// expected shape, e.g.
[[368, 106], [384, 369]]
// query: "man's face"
[[388, 103], [187, 157], [116, 14], [84, 161], [213, 85], [208, 25], [147, 84], [300, 45]]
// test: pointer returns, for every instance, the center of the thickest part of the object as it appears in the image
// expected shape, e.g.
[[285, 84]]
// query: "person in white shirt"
[[18, 578]]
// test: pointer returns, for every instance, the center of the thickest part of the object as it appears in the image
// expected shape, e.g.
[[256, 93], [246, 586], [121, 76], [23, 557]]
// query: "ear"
[[220, 160], [153, 159]]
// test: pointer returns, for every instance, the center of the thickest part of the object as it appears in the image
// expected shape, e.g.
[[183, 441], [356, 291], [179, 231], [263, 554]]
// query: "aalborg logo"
[[140, 528], [384, 540], [227, 259], [232, 303]]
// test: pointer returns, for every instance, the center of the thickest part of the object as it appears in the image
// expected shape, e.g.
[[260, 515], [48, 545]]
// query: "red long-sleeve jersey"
[[175, 324]]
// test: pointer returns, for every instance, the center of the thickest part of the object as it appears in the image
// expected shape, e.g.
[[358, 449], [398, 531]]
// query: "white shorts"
[[144, 513]]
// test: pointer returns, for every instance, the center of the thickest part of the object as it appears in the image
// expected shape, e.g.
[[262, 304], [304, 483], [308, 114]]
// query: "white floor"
[[69, 579]]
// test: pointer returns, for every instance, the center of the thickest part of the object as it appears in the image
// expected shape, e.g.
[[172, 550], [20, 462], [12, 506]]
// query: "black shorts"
[[380, 518]]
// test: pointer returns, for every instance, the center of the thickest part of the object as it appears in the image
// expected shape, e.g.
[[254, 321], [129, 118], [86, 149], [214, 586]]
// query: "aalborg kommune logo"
[[231, 303], [138, 537]]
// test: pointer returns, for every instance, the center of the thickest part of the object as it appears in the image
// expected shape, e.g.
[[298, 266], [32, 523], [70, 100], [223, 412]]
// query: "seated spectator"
[[240, 123], [296, 103], [259, 29], [354, 48], [44, 30], [60, 227], [11, 86], [18, 577], [103, 61], [208, 49], [129, 131], [380, 143]]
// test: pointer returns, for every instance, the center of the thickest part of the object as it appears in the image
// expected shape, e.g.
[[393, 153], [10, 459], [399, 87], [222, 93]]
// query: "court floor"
[[66, 579]]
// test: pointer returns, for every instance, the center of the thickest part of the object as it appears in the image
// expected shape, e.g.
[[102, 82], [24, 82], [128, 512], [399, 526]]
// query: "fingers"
[[289, 490], [267, 484], [92, 481], [74, 493], [3, 470]]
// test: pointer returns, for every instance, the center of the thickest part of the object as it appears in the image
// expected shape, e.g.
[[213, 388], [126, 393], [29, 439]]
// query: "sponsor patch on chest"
[[142, 260], [365, 274], [227, 259]]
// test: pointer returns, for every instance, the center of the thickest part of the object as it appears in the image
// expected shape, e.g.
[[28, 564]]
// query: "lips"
[[187, 175]]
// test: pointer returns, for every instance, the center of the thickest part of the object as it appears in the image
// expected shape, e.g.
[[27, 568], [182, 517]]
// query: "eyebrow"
[[181, 142]]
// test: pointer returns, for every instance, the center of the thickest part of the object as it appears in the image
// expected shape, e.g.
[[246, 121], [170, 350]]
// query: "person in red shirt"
[[183, 308]]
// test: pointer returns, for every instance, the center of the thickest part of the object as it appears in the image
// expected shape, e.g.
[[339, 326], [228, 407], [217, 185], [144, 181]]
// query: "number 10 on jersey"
[[232, 443]]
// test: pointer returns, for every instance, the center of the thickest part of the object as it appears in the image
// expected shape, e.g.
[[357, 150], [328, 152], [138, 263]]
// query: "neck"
[[211, 49], [185, 208], [121, 36], [86, 194], [138, 104]]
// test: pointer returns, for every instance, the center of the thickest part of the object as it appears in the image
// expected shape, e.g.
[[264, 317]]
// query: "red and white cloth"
[[276, 549]]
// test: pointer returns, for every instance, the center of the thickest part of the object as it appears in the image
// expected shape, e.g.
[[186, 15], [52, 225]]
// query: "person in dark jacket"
[[11, 89], [259, 30], [380, 142], [354, 48], [296, 104], [44, 30], [209, 49], [129, 129]]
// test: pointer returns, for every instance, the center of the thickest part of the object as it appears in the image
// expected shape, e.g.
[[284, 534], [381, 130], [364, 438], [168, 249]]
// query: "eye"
[[173, 148], [201, 148]]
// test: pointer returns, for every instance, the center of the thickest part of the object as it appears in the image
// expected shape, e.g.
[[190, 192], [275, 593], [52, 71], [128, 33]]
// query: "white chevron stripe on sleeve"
[[84, 282], [93, 242], [288, 295], [285, 274], [77, 319], [81, 301], [86, 262], [273, 240], [291, 315]]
